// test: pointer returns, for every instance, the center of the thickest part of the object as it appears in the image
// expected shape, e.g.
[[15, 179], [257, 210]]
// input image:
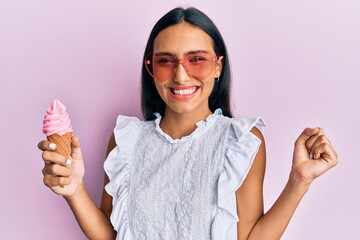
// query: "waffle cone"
[[62, 142]]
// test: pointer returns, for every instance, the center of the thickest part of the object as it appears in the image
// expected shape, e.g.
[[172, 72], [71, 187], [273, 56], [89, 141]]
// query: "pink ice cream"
[[57, 120]]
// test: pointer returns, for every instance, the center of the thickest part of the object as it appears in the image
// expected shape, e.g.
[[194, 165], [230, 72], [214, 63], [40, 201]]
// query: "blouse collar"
[[201, 126]]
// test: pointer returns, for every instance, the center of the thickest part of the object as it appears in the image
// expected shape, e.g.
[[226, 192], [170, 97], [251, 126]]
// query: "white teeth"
[[184, 91]]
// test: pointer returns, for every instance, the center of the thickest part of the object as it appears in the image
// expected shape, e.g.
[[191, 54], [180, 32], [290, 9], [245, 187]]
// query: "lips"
[[184, 92]]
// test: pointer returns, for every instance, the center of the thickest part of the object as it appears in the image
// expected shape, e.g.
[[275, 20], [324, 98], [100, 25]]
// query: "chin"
[[188, 108]]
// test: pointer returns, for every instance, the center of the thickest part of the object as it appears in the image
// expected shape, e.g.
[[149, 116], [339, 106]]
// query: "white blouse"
[[164, 188]]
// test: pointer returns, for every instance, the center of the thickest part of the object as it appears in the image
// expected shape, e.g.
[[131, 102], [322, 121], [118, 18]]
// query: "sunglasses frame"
[[148, 64]]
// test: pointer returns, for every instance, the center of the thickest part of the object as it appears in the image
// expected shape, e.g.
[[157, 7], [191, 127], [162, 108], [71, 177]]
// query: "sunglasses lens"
[[200, 65], [160, 66]]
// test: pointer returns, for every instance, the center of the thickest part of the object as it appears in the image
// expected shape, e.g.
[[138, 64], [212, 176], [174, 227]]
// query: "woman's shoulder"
[[126, 129], [130, 128], [124, 120], [244, 124]]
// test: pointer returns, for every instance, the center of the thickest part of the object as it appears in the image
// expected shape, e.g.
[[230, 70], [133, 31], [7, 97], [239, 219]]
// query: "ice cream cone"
[[57, 127], [63, 143]]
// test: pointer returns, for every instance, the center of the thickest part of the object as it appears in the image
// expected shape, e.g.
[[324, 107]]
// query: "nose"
[[180, 74]]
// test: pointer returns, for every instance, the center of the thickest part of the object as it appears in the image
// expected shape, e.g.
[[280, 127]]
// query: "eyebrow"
[[190, 52]]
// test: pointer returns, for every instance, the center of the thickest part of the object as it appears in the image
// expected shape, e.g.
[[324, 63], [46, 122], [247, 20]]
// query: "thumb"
[[306, 135], [75, 148]]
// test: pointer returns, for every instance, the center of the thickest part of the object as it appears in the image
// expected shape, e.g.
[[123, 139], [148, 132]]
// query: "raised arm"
[[66, 179], [313, 156]]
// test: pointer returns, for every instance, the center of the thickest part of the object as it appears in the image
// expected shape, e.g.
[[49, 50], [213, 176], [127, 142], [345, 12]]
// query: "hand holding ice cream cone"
[[63, 172]]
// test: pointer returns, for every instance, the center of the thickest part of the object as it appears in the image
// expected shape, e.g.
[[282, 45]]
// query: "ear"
[[219, 66]]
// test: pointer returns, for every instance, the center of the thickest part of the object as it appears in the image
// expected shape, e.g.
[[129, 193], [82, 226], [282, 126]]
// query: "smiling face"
[[183, 93]]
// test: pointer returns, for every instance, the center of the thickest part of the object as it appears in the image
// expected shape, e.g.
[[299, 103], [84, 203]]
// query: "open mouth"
[[184, 92]]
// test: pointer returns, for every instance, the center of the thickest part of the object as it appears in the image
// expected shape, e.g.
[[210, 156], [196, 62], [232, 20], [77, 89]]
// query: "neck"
[[178, 125]]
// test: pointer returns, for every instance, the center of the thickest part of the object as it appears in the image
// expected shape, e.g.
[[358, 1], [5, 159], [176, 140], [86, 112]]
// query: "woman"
[[191, 171]]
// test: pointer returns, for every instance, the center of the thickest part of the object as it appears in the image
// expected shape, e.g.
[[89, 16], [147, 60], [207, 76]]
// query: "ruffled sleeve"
[[117, 168], [239, 155]]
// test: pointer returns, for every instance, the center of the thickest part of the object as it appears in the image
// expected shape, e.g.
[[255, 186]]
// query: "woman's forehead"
[[183, 38]]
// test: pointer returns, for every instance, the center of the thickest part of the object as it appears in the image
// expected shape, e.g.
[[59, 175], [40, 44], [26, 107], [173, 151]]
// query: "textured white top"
[[164, 188]]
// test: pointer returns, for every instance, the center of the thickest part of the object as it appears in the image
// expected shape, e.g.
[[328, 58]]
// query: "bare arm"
[[67, 180], [273, 224], [106, 200], [93, 221], [249, 196]]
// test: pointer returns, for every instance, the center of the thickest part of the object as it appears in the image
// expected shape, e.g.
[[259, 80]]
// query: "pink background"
[[295, 63]]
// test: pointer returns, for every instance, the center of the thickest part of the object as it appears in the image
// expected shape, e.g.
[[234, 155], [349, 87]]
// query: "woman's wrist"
[[297, 183], [77, 193]]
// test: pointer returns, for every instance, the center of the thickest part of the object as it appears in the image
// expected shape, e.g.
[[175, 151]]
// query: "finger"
[[45, 145], [56, 170], [310, 142], [326, 152], [52, 181], [75, 148], [306, 135], [319, 140], [50, 157]]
